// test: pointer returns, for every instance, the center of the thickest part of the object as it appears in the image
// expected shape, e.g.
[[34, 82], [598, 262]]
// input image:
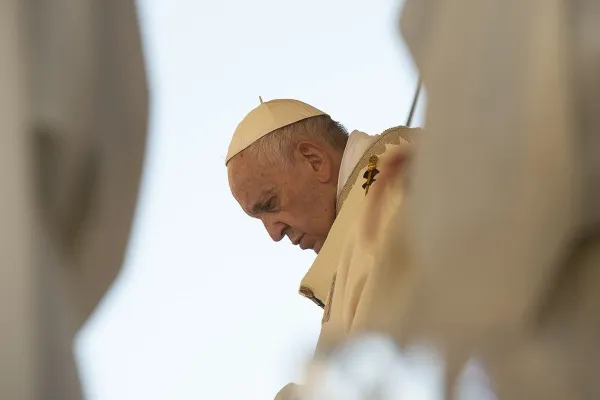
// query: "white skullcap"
[[266, 118]]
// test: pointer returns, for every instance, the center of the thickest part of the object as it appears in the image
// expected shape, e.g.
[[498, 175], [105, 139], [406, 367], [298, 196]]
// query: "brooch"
[[370, 173]]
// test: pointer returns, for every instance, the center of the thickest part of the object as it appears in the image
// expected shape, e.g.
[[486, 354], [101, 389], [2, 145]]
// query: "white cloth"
[[358, 143]]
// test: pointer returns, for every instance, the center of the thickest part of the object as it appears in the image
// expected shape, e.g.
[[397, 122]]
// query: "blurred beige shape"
[[503, 211], [73, 110], [288, 392]]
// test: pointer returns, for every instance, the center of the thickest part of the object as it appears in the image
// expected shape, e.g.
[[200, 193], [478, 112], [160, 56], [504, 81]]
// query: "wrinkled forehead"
[[240, 169]]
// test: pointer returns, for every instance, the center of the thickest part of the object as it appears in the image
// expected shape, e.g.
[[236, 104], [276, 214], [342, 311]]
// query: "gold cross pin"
[[370, 173]]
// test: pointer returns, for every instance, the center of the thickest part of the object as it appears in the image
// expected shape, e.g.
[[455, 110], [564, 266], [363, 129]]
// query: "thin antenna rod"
[[414, 103]]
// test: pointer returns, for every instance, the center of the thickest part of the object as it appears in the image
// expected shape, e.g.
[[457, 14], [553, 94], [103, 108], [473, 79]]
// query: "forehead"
[[251, 181]]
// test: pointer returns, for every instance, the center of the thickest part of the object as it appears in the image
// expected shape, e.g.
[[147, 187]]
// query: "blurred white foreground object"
[[372, 367]]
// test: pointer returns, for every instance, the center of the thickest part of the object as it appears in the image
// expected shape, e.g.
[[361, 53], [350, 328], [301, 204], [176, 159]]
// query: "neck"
[[337, 164]]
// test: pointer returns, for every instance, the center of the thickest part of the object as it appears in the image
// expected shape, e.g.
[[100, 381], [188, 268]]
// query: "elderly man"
[[300, 172]]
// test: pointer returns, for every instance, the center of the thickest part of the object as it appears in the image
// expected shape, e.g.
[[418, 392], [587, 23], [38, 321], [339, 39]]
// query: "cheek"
[[307, 209], [320, 214], [297, 212]]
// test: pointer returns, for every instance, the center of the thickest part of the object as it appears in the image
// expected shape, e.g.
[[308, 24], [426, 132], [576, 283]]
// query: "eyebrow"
[[259, 206]]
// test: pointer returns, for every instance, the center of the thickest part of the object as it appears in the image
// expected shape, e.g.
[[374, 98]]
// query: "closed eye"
[[269, 205]]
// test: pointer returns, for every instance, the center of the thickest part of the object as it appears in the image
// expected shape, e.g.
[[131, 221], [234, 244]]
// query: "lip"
[[298, 241]]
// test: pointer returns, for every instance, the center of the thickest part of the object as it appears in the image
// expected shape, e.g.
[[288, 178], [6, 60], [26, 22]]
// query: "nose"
[[275, 228]]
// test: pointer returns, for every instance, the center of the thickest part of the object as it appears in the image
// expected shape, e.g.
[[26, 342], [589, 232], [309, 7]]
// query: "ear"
[[317, 159]]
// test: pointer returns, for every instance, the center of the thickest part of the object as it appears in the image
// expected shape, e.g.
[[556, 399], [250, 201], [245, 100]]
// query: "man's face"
[[295, 200]]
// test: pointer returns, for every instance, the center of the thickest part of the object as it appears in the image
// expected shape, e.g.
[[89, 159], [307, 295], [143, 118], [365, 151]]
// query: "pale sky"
[[207, 306]]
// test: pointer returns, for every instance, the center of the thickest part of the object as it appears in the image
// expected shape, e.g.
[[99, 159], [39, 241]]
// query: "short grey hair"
[[279, 145]]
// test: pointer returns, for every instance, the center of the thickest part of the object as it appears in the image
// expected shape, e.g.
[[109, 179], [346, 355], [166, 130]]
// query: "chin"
[[317, 247]]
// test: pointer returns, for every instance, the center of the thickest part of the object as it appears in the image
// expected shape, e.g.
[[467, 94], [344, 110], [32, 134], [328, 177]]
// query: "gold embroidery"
[[390, 136], [370, 173], [309, 294], [327, 311]]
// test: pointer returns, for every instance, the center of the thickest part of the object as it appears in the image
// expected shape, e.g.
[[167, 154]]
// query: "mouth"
[[306, 243], [297, 241]]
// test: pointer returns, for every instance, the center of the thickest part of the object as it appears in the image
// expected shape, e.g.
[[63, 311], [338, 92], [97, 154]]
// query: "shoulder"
[[391, 145], [400, 133]]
